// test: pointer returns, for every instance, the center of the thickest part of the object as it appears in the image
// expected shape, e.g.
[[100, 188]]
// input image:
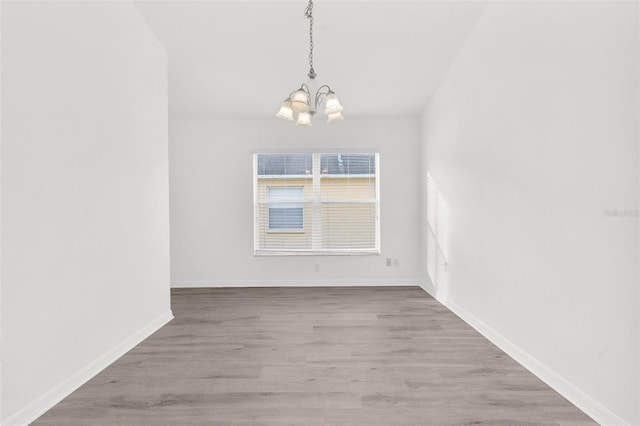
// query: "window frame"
[[315, 203]]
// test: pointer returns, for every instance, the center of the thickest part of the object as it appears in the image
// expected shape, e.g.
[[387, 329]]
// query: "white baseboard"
[[41, 405], [573, 394], [296, 283]]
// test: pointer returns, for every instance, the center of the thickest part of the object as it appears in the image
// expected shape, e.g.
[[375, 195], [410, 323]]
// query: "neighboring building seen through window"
[[314, 203], [286, 212]]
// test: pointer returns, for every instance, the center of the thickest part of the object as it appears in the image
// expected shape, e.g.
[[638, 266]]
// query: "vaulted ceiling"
[[240, 59]]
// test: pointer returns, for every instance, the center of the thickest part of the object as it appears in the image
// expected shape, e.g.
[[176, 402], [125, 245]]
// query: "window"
[[316, 203], [286, 212]]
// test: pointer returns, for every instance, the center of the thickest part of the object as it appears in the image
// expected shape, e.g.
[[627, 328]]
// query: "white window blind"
[[316, 203]]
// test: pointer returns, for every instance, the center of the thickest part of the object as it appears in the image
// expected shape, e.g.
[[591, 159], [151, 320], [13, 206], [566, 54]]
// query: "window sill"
[[317, 253]]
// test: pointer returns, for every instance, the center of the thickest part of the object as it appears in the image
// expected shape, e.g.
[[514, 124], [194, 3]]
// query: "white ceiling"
[[240, 59]]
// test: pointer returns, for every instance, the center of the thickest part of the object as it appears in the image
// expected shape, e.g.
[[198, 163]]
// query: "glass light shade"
[[332, 104], [336, 116], [286, 113], [304, 119], [300, 101]]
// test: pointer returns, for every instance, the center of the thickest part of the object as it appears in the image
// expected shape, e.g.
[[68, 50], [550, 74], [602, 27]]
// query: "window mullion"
[[316, 223]]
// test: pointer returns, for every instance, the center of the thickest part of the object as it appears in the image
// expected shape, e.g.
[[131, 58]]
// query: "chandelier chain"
[[308, 13]]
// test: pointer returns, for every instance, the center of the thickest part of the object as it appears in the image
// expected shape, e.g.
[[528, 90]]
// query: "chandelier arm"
[[320, 94], [319, 98]]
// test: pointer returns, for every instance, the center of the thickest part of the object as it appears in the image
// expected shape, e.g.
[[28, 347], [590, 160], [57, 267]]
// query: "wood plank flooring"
[[314, 356]]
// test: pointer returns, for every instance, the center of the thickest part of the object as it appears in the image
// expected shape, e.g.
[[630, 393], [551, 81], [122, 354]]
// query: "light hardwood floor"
[[314, 356]]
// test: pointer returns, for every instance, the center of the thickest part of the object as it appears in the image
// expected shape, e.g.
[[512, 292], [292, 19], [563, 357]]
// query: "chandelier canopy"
[[301, 101]]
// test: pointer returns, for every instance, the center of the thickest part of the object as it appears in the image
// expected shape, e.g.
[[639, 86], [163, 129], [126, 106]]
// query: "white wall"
[[85, 242], [0, 222], [212, 202], [532, 138]]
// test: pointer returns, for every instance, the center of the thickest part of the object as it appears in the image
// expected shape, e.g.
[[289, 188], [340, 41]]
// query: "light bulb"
[[285, 111], [336, 116], [304, 119]]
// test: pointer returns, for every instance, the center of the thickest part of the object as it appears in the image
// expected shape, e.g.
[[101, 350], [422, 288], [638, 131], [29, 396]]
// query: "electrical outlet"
[[396, 263], [388, 261]]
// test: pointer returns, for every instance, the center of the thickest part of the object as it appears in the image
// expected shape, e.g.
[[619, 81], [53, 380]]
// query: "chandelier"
[[306, 101]]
